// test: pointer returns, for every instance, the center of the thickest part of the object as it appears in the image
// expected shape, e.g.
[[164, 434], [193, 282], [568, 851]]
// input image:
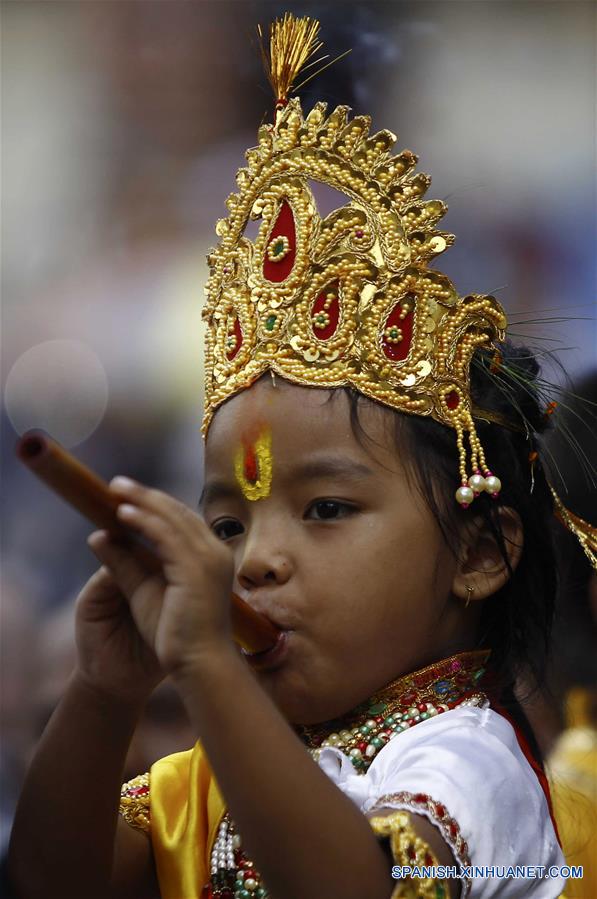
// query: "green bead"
[[424, 715], [270, 322], [377, 742], [378, 708], [260, 893], [244, 894], [390, 720]]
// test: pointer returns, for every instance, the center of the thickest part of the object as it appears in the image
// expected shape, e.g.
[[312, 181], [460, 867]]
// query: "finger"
[[176, 513], [169, 543], [142, 554], [102, 578], [126, 570], [101, 583], [100, 597], [129, 582]]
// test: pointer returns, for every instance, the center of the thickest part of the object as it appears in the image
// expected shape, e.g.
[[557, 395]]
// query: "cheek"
[[392, 553], [380, 580]]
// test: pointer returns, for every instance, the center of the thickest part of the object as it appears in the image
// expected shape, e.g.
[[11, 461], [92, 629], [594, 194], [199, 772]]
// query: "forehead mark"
[[253, 461]]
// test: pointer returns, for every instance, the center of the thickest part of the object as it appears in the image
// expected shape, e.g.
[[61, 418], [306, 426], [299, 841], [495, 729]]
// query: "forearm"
[[63, 836], [304, 835]]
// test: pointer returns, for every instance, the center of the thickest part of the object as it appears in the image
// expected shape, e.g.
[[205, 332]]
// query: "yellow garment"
[[572, 768], [184, 825], [184, 821]]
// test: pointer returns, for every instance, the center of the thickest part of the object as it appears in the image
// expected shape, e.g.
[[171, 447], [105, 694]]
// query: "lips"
[[270, 658]]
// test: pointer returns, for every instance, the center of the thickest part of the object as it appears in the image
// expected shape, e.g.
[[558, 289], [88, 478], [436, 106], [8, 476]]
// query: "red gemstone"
[[440, 811], [452, 400], [398, 351], [409, 697], [422, 707], [428, 859], [420, 797], [284, 227], [138, 791], [226, 894], [453, 829], [411, 852], [238, 334], [362, 746], [207, 892], [456, 666], [378, 719], [249, 873], [333, 312]]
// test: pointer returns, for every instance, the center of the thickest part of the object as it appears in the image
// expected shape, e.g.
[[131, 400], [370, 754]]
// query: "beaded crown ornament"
[[348, 298]]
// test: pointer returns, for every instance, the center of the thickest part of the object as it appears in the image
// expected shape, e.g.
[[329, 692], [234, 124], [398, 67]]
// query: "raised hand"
[[182, 611], [113, 658]]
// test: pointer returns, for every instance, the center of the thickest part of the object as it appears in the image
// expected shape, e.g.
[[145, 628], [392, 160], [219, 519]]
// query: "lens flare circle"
[[59, 386]]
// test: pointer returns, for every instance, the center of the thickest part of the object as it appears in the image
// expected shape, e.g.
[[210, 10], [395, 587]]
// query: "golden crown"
[[345, 299]]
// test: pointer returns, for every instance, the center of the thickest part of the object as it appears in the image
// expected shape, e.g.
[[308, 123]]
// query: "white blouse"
[[492, 809]]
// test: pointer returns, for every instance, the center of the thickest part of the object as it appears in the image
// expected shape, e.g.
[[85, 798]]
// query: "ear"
[[482, 565]]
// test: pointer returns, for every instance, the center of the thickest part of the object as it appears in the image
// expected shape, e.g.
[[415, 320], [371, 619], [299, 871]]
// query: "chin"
[[295, 699]]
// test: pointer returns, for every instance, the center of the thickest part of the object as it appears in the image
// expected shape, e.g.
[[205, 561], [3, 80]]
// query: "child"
[[382, 730]]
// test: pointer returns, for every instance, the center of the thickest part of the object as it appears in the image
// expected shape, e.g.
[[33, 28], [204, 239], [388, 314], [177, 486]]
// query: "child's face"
[[351, 563]]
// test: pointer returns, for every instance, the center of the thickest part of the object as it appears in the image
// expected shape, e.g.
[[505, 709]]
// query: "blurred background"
[[123, 125]]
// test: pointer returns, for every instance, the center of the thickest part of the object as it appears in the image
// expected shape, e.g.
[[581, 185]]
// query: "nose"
[[263, 562]]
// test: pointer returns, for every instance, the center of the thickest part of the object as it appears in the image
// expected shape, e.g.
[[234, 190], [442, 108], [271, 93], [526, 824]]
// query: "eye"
[[219, 528], [328, 509]]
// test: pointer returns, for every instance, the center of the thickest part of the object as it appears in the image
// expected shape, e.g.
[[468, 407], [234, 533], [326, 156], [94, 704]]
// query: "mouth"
[[270, 658]]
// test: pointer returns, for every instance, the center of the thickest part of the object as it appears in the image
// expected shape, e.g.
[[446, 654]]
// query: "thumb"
[[128, 566]]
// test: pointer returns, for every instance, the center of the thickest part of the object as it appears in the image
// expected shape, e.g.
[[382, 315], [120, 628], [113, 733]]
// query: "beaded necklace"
[[361, 734]]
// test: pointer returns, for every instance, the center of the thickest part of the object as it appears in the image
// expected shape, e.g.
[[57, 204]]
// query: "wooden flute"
[[90, 495]]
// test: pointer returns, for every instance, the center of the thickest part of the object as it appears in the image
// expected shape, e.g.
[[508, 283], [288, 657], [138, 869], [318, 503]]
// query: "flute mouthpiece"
[[31, 445]]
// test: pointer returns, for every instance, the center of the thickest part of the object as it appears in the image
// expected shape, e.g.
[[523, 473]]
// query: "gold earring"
[[471, 590]]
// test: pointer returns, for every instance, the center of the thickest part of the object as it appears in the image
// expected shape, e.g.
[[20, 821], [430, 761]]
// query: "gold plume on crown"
[[345, 299], [292, 43]]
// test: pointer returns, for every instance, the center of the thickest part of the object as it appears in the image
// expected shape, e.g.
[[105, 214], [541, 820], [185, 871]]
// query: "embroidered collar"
[[401, 704]]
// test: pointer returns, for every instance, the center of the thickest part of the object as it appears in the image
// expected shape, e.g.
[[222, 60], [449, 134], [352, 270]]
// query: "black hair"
[[516, 621], [573, 660]]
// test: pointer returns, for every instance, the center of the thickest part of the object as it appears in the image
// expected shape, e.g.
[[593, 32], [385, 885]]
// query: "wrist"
[[194, 670], [105, 697]]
